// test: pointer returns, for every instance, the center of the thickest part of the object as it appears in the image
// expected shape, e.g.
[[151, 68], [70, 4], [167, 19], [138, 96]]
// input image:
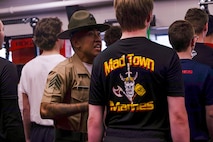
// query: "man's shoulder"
[[200, 67], [203, 46], [64, 63], [6, 64], [69, 63], [4, 61]]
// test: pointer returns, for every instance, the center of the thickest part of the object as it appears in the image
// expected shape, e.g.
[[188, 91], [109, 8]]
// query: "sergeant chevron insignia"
[[55, 83]]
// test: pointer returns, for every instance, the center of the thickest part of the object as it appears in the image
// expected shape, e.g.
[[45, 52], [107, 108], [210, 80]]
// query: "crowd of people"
[[134, 90]]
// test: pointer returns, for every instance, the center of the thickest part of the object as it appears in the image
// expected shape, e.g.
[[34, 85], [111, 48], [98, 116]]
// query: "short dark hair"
[[112, 35], [180, 34], [198, 18], [46, 31]]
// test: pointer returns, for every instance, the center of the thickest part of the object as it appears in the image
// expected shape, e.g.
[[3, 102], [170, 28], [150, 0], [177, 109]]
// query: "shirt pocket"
[[80, 94]]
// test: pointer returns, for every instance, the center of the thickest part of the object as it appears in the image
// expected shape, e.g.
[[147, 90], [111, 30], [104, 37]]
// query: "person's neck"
[[84, 58], [135, 33], [50, 52], [209, 39], [201, 37], [185, 54]]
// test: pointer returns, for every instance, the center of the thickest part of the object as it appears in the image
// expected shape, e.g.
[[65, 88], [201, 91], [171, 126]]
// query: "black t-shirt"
[[204, 54], [11, 126], [133, 78]]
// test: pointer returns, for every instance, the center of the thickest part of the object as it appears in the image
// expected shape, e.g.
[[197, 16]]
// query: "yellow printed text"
[[136, 61], [118, 107]]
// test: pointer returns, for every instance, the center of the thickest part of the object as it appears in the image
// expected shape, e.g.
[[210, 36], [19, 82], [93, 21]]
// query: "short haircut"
[[181, 33], [112, 35], [132, 14], [198, 18], [46, 31]]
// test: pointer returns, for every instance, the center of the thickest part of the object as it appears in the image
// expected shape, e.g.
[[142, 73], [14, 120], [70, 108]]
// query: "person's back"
[[33, 78], [141, 89], [198, 82], [11, 126], [199, 20]]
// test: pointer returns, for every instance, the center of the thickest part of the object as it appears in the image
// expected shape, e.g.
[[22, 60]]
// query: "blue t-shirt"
[[198, 80]]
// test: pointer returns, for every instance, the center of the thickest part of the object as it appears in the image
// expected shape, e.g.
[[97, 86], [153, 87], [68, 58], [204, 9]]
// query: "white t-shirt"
[[88, 67], [33, 81]]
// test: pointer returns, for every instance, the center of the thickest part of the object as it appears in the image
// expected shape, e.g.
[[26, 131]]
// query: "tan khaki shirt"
[[72, 78]]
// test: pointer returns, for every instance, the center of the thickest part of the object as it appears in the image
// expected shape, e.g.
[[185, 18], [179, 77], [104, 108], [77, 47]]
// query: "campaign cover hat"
[[81, 20]]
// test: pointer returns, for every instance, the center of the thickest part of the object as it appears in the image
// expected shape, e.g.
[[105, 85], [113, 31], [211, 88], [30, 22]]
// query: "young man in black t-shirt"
[[199, 20], [139, 82], [11, 125]]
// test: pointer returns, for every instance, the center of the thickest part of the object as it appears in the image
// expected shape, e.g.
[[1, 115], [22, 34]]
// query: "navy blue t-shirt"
[[198, 80], [133, 78]]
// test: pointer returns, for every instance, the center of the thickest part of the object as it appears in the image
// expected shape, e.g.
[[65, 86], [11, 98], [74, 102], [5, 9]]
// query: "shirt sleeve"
[[174, 77], [23, 83], [55, 88], [96, 94], [209, 88]]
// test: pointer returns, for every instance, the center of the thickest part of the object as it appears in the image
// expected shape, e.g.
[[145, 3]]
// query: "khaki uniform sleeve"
[[55, 88]]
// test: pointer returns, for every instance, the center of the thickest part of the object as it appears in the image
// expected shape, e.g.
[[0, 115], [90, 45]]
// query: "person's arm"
[[95, 123], [178, 119], [209, 120], [55, 110], [26, 117], [52, 106]]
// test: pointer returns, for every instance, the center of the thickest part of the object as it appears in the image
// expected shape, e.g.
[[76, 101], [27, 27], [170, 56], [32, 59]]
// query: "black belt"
[[61, 134]]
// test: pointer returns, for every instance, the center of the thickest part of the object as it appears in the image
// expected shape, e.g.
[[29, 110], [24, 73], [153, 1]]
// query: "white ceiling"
[[12, 3], [21, 7]]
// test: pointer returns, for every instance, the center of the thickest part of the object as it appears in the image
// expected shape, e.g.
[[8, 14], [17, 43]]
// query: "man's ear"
[[192, 43], [149, 18], [75, 42], [206, 27]]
